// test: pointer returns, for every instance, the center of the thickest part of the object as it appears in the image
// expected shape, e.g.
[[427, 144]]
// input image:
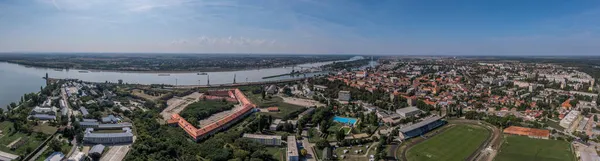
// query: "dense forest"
[[203, 109]]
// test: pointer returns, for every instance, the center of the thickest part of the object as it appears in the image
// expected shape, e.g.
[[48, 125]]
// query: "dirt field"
[[177, 104], [301, 102], [216, 117], [115, 153]]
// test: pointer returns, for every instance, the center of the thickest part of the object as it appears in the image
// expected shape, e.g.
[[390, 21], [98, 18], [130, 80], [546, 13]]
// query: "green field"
[[456, 143], [516, 148], [276, 152], [8, 136], [286, 110]]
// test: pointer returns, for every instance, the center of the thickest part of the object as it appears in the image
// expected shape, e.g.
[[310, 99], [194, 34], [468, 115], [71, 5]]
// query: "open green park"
[[286, 110], [456, 143], [522, 148]]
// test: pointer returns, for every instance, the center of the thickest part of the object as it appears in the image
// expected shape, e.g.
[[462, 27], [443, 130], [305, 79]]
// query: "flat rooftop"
[[258, 136], [420, 124]]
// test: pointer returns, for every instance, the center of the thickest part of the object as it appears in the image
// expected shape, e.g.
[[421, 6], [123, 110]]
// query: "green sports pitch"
[[522, 148], [456, 143]]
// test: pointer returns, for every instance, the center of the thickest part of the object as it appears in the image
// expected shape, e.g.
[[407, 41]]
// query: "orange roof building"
[[273, 109], [221, 124], [567, 104], [530, 132]]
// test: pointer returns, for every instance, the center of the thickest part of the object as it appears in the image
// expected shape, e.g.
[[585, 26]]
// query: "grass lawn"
[[340, 151], [33, 140], [276, 152], [286, 110], [45, 128], [555, 125], [456, 143], [65, 148], [516, 148]]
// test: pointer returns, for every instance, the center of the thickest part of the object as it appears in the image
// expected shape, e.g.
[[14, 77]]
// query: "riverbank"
[[169, 71]]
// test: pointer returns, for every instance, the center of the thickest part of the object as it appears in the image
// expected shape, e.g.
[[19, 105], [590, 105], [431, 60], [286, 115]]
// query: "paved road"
[[38, 153], [115, 153], [73, 148], [63, 93], [308, 146]]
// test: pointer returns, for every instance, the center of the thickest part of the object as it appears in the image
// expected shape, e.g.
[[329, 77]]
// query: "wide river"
[[16, 80]]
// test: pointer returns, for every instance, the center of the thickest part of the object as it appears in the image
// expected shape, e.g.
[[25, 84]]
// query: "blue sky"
[[397, 27]]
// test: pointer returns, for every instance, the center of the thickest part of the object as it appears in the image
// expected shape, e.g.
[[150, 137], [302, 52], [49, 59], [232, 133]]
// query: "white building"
[[411, 111], [569, 119], [292, 149], [79, 156], [344, 95], [107, 138], [273, 140]]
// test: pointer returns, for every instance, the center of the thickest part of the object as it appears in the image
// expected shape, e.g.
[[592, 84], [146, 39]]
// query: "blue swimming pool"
[[345, 120]]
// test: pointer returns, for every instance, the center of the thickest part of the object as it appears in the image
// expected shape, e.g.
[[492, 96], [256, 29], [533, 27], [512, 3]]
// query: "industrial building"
[[272, 140], [107, 138], [307, 112], [292, 149], [411, 111], [421, 128], [344, 96], [56, 156], [96, 150], [78, 156], [44, 117]]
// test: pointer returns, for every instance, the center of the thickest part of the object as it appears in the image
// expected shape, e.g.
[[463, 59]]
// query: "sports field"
[[517, 148], [456, 143]]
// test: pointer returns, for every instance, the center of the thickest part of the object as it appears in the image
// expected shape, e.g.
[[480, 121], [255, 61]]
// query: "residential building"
[[568, 120], [110, 119], [320, 87], [272, 140], [344, 95], [84, 111]]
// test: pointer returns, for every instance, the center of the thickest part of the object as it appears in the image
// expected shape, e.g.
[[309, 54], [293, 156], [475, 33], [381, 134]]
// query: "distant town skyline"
[[386, 27]]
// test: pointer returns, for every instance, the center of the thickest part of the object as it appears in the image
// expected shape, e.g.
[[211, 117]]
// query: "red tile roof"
[[195, 133], [516, 130]]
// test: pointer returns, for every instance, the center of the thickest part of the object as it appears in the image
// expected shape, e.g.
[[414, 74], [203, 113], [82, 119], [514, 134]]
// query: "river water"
[[16, 80]]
